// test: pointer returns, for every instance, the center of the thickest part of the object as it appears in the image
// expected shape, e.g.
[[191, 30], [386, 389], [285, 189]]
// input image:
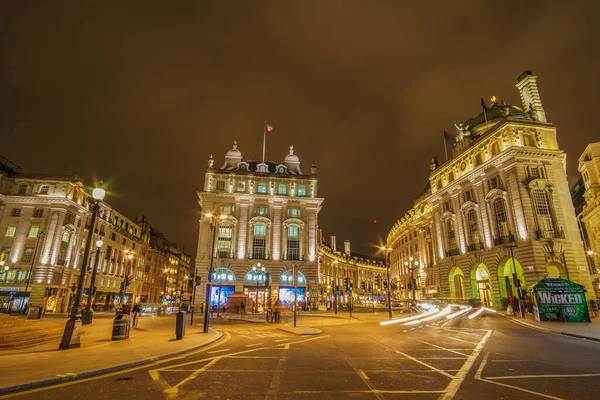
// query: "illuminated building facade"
[[265, 215], [504, 188], [589, 215]]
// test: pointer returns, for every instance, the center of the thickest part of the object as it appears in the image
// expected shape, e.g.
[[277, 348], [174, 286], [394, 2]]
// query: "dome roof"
[[497, 111], [232, 158], [292, 162]]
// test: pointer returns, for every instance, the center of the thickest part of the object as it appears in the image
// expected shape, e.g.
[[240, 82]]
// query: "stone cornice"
[[345, 259]]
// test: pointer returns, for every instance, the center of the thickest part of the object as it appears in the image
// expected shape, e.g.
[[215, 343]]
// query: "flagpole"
[[264, 141], [445, 149]]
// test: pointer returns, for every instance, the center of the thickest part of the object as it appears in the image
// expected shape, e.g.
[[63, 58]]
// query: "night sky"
[[141, 93]]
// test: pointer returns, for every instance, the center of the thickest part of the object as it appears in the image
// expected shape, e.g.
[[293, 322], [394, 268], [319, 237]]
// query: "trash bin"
[[87, 316], [180, 325], [121, 327], [35, 312]]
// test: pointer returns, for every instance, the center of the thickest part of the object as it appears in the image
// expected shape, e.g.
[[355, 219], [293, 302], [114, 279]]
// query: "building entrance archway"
[[481, 284], [555, 269], [506, 278], [456, 279]]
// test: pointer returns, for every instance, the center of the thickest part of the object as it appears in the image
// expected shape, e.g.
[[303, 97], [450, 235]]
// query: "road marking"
[[252, 345], [362, 374], [282, 340], [458, 379], [541, 376], [442, 348], [460, 340], [175, 389], [217, 351], [480, 370], [425, 364]]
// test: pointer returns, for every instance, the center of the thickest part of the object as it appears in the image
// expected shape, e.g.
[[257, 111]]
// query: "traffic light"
[[351, 288], [128, 280], [385, 284], [346, 283], [198, 280]]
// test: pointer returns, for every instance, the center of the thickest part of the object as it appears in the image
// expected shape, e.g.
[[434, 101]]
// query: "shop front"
[[286, 289], [13, 299]]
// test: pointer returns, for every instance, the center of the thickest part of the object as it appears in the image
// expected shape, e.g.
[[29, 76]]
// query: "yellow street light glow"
[[98, 193], [99, 243], [209, 215]]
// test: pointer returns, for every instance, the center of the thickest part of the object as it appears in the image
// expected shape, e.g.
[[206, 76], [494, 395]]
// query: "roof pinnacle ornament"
[[210, 162]]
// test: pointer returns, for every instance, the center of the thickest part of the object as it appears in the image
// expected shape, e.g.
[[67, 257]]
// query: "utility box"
[[180, 325]]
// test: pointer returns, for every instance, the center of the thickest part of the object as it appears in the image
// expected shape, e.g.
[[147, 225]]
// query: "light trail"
[[396, 321]]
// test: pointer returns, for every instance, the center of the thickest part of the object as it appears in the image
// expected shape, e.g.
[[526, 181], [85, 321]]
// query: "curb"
[[74, 377], [539, 328]]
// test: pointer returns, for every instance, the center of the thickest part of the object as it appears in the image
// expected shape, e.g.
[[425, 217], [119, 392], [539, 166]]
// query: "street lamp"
[[72, 331], [92, 292], [213, 226], [412, 264], [389, 286], [256, 273], [128, 256]]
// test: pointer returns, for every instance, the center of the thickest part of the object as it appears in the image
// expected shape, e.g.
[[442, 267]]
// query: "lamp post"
[[389, 286], [92, 292], [412, 264], [128, 257], [71, 335], [5, 268], [37, 243], [256, 273], [213, 226]]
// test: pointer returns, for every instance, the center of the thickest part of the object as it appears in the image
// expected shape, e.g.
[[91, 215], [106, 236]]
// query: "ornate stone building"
[[265, 218], [589, 167], [497, 216]]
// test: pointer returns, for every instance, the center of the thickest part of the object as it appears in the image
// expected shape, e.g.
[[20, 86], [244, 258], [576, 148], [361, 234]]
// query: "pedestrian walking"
[[135, 311], [243, 308], [278, 307]]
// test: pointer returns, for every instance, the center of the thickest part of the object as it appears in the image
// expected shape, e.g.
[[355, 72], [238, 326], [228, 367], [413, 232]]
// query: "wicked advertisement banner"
[[561, 300]]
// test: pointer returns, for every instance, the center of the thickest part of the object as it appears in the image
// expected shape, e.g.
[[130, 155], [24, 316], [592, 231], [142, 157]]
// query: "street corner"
[[300, 330]]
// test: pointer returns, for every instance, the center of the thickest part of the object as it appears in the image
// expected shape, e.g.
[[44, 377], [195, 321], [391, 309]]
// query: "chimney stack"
[[332, 241], [320, 235], [347, 248], [530, 97]]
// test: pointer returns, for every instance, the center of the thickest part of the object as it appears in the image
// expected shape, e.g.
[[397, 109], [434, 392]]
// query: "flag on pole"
[[485, 108], [269, 127]]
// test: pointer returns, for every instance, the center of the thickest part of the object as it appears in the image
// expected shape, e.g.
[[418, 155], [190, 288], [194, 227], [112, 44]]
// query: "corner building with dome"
[[265, 219], [499, 206]]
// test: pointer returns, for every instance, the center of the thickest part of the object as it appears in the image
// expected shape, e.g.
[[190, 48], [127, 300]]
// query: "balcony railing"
[[504, 239], [452, 252], [224, 254], [258, 255], [294, 257], [475, 246], [550, 234]]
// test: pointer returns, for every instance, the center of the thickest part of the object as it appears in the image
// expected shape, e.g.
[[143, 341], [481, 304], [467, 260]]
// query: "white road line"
[[442, 348], [362, 374], [217, 351], [442, 372], [252, 345], [458, 379], [282, 340], [541, 376]]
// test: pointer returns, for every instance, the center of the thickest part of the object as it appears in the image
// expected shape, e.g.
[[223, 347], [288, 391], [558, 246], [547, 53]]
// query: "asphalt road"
[[488, 357]]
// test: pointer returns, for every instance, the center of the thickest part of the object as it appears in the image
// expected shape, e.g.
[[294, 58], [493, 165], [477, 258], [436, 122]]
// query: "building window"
[[543, 213], [262, 188], [293, 212], [473, 229], [33, 231], [64, 246], [259, 241], [70, 218], [528, 141], [113, 237], [468, 195], [451, 177], [38, 213], [586, 179], [439, 184], [451, 235], [446, 206], [241, 186], [27, 254], [495, 149], [11, 230], [44, 189], [293, 242], [227, 210], [224, 242], [15, 212], [301, 190], [499, 206], [220, 185], [22, 189], [261, 210], [282, 189], [495, 183]]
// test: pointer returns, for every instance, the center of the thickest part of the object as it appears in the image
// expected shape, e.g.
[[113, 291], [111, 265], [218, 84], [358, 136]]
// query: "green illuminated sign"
[[561, 300]]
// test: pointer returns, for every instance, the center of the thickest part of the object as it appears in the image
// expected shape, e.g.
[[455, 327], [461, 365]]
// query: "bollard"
[[121, 327], [180, 325]]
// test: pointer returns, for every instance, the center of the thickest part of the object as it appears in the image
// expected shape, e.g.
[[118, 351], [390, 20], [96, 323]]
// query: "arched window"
[[439, 184], [259, 241], [451, 235], [225, 240], [543, 213], [293, 242], [223, 275], [478, 159], [287, 279], [451, 177], [495, 149], [499, 206], [64, 247], [473, 229]]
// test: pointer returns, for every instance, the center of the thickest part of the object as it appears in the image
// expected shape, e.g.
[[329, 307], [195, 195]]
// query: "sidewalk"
[[154, 339], [582, 330]]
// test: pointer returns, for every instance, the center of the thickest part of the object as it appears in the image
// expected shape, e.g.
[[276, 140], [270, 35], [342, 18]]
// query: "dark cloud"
[[140, 93]]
